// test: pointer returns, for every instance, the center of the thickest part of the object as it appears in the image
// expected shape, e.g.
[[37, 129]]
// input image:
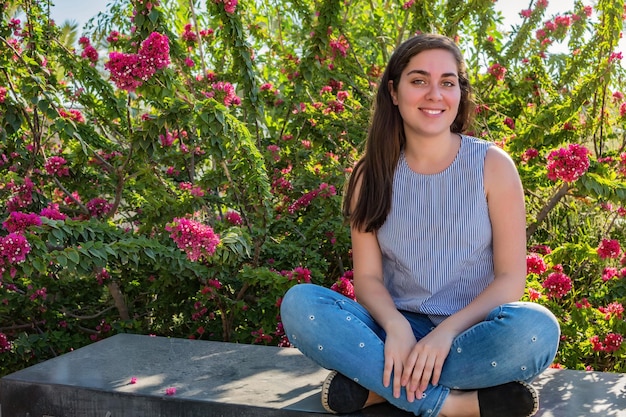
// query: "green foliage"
[[251, 131]]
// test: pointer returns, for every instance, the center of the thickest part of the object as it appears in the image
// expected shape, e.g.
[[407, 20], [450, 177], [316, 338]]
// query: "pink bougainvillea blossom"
[[324, 191], [225, 92], [535, 264], [609, 273], [611, 343], [89, 52], [102, 276], [18, 222], [614, 309], [568, 164], [98, 207], [529, 154], [170, 391], [52, 212], [130, 71], [609, 248], [533, 294], [557, 285], [301, 274], [339, 46], [196, 239], [14, 248], [72, 114], [498, 71], [55, 166], [344, 286], [260, 337], [229, 5], [5, 344], [3, 94], [22, 194], [233, 218]]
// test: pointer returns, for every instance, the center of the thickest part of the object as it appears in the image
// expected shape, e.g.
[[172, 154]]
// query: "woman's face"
[[428, 93]]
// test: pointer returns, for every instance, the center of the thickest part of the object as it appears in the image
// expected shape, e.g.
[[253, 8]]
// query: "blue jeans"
[[516, 342]]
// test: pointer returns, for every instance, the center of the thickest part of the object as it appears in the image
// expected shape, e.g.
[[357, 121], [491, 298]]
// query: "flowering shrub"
[[175, 172]]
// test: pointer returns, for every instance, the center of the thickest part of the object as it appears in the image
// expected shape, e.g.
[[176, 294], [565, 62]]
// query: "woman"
[[439, 253]]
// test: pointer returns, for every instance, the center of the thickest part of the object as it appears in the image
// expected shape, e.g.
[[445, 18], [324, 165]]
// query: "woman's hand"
[[399, 343], [425, 361]]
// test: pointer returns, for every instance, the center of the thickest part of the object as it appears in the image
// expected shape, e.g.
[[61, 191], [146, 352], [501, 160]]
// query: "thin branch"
[[561, 192]]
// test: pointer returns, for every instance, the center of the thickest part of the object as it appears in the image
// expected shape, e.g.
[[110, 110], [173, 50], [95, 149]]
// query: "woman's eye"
[[448, 84]]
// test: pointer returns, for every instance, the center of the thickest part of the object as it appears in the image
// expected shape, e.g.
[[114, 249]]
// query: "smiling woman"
[[438, 248]]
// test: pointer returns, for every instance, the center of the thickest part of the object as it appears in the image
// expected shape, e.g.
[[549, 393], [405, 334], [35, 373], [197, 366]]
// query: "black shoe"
[[341, 395], [515, 399]]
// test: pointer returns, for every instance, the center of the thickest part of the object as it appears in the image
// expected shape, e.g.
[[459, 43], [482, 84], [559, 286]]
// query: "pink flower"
[[130, 71], [535, 264], [498, 71], [133, 380], [229, 5], [170, 391], [609, 248], [155, 51], [557, 284], [55, 166], [227, 93], [568, 164], [526, 13], [340, 46], [197, 240], [72, 114], [18, 221], [52, 212], [90, 53], [14, 247], [102, 276], [188, 34], [529, 154], [5, 345], [584, 303], [3, 94], [541, 249], [533, 294], [301, 274], [612, 342], [233, 218], [609, 273], [98, 207], [614, 309], [596, 344], [344, 286]]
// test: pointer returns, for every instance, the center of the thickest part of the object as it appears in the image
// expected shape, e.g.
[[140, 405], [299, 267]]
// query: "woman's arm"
[[371, 292]]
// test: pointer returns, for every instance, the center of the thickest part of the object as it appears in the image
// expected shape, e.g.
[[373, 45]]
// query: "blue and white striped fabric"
[[436, 241]]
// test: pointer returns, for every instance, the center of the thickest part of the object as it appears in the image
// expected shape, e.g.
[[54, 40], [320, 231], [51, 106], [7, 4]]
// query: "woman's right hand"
[[398, 346]]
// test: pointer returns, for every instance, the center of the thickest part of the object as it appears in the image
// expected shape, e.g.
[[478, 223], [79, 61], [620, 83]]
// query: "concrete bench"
[[214, 379]]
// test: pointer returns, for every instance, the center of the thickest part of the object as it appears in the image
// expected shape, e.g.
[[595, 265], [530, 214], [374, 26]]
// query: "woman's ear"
[[392, 92]]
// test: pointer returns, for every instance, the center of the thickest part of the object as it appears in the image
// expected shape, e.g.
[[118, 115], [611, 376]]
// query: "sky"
[[81, 11]]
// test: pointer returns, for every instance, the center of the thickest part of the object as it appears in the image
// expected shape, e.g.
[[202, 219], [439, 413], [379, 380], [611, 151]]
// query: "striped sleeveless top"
[[436, 240]]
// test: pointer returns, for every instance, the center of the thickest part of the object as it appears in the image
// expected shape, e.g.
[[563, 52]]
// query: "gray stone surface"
[[215, 379]]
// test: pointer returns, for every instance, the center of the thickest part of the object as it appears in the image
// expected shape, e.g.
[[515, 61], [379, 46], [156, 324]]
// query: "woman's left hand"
[[425, 362]]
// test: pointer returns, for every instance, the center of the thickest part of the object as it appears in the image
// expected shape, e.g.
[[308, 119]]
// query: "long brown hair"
[[386, 140]]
